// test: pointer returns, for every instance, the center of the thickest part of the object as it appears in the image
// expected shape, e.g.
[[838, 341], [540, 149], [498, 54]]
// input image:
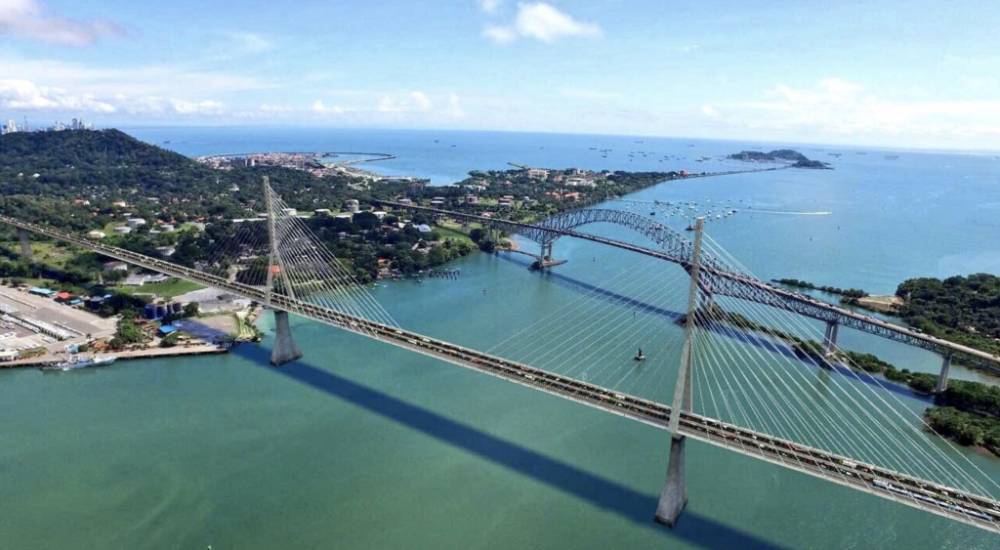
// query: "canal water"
[[360, 445]]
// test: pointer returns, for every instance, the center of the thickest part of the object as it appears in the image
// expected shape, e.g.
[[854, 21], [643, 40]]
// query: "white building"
[[352, 205], [538, 173], [135, 222]]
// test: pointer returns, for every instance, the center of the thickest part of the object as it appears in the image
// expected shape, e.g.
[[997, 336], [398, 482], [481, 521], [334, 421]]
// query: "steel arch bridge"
[[546, 232], [715, 278]]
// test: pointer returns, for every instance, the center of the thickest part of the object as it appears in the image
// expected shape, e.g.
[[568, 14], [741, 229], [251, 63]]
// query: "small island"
[[794, 158]]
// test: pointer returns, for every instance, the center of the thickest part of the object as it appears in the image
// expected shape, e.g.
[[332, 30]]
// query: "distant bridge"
[[715, 278]]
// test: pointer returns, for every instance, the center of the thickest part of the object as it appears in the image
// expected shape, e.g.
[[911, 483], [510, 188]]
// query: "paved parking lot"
[[17, 336]]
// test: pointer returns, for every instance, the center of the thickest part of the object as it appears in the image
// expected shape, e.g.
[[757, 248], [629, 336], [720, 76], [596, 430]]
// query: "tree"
[[169, 340], [366, 220], [191, 309], [127, 331]]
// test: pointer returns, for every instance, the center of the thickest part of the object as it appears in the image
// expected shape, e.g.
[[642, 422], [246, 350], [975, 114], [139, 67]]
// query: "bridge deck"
[[952, 503]]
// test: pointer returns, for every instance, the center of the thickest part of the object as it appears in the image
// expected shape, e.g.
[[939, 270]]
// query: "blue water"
[[361, 445]]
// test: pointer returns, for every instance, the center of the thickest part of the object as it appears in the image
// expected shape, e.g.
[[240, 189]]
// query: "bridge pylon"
[[673, 496], [830, 338], [942, 381], [285, 349], [22, 236]]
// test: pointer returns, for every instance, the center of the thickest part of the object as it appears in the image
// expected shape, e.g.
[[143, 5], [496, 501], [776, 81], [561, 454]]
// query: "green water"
[[362, 445]]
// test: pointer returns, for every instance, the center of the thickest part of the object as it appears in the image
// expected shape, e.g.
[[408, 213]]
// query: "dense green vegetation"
[[962, 309], [797, 159], [87, 180], [94, 180], [127, 332], [846, 292], [972, 397], [966, 428]]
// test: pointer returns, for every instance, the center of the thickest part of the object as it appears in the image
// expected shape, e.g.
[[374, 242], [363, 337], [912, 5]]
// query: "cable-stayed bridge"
[[738, 386]]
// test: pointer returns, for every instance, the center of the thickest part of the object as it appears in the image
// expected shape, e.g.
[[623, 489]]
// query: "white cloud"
[[688, 48], [203, 107], [500, 34], [28, 19], [26, 95], [490, 6], [271, 108], [542, 22], [247, 42], [319, 107], [709, 111], [455, 106], [420, 99], [411, 102], [156, 80], [838, 109]]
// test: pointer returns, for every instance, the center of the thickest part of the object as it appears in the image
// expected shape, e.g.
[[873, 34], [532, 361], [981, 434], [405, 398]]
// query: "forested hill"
[[961, 309], [84, 149], [47, 175]]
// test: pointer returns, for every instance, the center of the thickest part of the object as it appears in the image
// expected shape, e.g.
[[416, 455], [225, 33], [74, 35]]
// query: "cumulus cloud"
[[834, 107], [319, 107], [411, 102], [28, 19], [27, 95], [421, 101], [543, 22]]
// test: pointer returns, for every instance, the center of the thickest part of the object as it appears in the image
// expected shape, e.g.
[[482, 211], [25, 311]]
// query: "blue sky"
[[906, 74]]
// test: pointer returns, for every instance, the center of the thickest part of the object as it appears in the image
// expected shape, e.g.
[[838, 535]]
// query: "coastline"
[[127, 355]]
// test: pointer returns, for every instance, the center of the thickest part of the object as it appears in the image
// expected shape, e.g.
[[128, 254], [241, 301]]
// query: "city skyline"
[[874, 73]]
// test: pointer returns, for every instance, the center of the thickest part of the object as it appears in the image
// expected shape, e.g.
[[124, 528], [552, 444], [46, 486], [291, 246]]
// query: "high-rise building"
[[9, 127]]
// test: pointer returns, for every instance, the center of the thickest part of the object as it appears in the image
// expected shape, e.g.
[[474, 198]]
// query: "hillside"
[[73, 179]]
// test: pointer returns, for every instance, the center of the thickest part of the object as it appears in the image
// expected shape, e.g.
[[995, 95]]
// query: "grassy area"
[[452, 231], [47, 252], [166, 289]]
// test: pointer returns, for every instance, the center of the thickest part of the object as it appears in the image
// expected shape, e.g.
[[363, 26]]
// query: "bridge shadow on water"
[[747, 337], [606, 494]]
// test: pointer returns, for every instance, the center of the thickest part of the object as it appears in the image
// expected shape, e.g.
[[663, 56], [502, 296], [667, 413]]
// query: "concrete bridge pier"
[[673, 496], [830, 337], [942, 381], [545, 260], [285, 349], [22, 236]]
